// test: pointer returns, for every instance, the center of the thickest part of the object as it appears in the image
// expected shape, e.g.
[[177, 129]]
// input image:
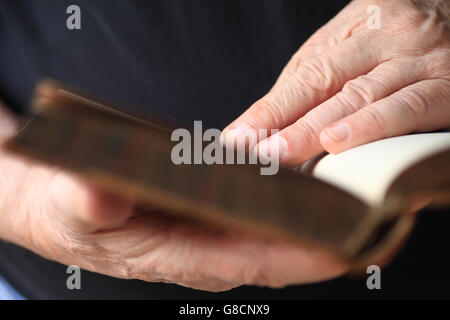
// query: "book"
[[359, 204]]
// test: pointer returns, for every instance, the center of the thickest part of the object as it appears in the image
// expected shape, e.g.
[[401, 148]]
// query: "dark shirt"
[[190, 60]]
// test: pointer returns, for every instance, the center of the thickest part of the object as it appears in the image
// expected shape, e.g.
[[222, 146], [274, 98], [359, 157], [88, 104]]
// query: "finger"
[[300, 141], [83, 208], [233, 259], [306, 83], [423, 106]]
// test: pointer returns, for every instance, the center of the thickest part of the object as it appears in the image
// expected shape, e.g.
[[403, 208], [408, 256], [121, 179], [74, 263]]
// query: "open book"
[[359, 204]]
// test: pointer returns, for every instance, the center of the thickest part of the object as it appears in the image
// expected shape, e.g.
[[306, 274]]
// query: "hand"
[[64, 219], [350, 84]]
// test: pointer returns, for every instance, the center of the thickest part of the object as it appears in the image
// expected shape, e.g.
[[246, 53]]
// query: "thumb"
[[84, 208]]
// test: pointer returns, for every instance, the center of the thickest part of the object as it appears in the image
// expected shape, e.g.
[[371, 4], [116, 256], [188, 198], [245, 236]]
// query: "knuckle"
[[307, 131], [316, 72], [358, 92], [374, 117], [266, 110], [295, 62], [333, 39], [414, 103], [346, 103]]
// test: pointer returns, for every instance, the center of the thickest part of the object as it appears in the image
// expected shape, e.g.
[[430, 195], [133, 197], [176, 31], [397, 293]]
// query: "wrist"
[[12, 200], [12, 173]]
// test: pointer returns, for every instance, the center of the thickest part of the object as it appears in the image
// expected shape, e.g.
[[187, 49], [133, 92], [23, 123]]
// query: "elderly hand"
[[67, 220], [359, 79]]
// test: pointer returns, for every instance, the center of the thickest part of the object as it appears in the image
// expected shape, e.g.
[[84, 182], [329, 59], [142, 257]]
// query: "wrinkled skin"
[[377, 83], [350, 84]]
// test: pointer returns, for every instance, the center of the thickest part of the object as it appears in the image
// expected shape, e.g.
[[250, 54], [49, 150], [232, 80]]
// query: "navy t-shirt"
[[199, 59], [190, 60]]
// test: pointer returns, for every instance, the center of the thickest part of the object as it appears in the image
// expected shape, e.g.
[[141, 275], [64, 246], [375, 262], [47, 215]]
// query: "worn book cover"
[[359, 204]]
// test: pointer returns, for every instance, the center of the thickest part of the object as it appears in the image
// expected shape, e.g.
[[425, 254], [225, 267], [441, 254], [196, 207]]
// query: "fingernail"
[[273, 143], [338, 132]]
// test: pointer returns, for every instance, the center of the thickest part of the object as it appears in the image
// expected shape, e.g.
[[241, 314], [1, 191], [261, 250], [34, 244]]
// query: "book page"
[[367, 171]]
